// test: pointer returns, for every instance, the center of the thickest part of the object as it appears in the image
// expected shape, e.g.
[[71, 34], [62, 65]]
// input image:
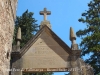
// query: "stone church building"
[[45, 52]]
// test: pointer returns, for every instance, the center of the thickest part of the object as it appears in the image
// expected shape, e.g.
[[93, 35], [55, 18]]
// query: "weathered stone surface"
[[84, 68], [48, 51], [47, 23], [45, 52], [6, 33]]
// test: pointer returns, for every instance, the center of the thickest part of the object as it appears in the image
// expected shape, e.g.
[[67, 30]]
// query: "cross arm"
[[41, 13], [48, 12]]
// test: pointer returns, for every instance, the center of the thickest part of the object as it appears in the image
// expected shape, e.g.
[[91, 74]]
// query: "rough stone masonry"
[[7, 17]]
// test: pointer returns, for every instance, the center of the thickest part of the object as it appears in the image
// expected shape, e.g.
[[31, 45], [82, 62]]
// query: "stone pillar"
[[47, 23], [75, 54], [74, 65], [18, 39], [7, 17], [16, 63]]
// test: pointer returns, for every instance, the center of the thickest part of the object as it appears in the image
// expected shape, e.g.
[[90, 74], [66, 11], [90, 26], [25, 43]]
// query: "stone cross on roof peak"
[[45, 13]]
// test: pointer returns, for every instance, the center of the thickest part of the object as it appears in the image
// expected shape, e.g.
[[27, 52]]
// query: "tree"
[[90, 36], [28, 27]]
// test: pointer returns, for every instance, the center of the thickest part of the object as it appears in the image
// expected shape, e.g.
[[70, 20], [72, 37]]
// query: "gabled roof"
[[51, 34]]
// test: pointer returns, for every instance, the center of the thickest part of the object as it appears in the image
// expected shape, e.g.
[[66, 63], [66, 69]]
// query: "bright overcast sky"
[[64, 14]]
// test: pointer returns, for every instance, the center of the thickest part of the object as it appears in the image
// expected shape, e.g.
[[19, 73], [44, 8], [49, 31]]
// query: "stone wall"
[[7, 16]]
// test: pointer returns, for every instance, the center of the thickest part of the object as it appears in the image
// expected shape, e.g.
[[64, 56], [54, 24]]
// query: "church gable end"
[[46, 50], [45, 37]]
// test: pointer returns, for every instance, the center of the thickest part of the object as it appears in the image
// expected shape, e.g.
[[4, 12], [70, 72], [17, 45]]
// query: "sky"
[[64, 14]]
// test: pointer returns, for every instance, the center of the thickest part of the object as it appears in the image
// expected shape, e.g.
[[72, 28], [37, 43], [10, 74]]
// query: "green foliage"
[[98, 74], [28, 27], [91, 35]]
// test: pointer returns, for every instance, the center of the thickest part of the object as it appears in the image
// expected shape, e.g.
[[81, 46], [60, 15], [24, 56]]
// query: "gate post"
[[74, 55], [74, 65]]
